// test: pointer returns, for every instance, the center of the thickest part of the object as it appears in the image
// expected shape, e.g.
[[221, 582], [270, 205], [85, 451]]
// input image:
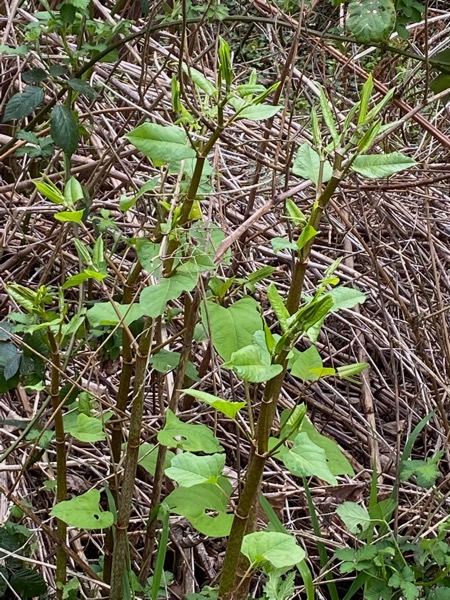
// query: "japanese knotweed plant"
[[179, 260]]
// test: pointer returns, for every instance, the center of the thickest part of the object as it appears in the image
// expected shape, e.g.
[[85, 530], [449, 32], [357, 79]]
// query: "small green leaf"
[[165, 361], [200, 81], [163, 144], [28, 583], [189, 437], [337, 461], [50, 191], [225, 64], [83, 87], [371, 20], [306, 459], [258, 112], [278, 306], [306, 235], [87, 429], [377, 166], [328, 115], [188, 469], [71, 216], [252, 364], [73, 192], [279, 549], [425, 471], [230, 409], [355, 517], [83, 512], [305, 365], [64, 129], [148, 454], [279, 243], [366, 94], [22, 105], [307, 165], [34, 75], [348, 372]]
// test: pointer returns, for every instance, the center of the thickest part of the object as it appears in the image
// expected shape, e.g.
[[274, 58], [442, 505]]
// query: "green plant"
[[181, 257], [389, 565]]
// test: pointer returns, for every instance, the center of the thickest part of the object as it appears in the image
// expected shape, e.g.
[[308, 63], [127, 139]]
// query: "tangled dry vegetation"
[[393, 236]]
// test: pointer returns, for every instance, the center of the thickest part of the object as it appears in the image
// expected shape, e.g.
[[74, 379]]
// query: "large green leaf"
[[189, 437], [83, 512], [104, 313], [205, 506], [252, 364], [154, 298], [307, 459], [230, 409], [189, 469], [232, 328], [336, 460], [279, 549], [22, 105], [371, 20], [64, 129], [307, 165], [377, 166], [163, 144]]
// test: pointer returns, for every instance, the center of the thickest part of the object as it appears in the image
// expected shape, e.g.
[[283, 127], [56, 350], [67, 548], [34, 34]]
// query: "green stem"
[[121, 405], [61, 471], [120, 562], [150, 537]]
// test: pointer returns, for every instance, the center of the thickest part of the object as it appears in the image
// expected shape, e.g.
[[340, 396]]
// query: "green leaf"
[[252, 364], [28, 583], [125, 202], [278, 307], [377, 166], [148, 454], [22, 105], [425, 471], [204, 506], [189, 437], [34, 75], [188, 469], [50, 191], [371, 20], [366, 94], [104, 313], [307, 459], [337, 461], [258, 112], [355, 517], [165, 361], [200, 81], [87, 429], [64, 129], [328, 115], [154, 298], [73, 192], [83, 512], [70, 216], [437, 85], [163, 144], [305, 365], [306, 235], [279, 243], [14, 50], [307, 165], [231, 328], [230, 409], [83, 87], [405, 580], [279, 549]]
